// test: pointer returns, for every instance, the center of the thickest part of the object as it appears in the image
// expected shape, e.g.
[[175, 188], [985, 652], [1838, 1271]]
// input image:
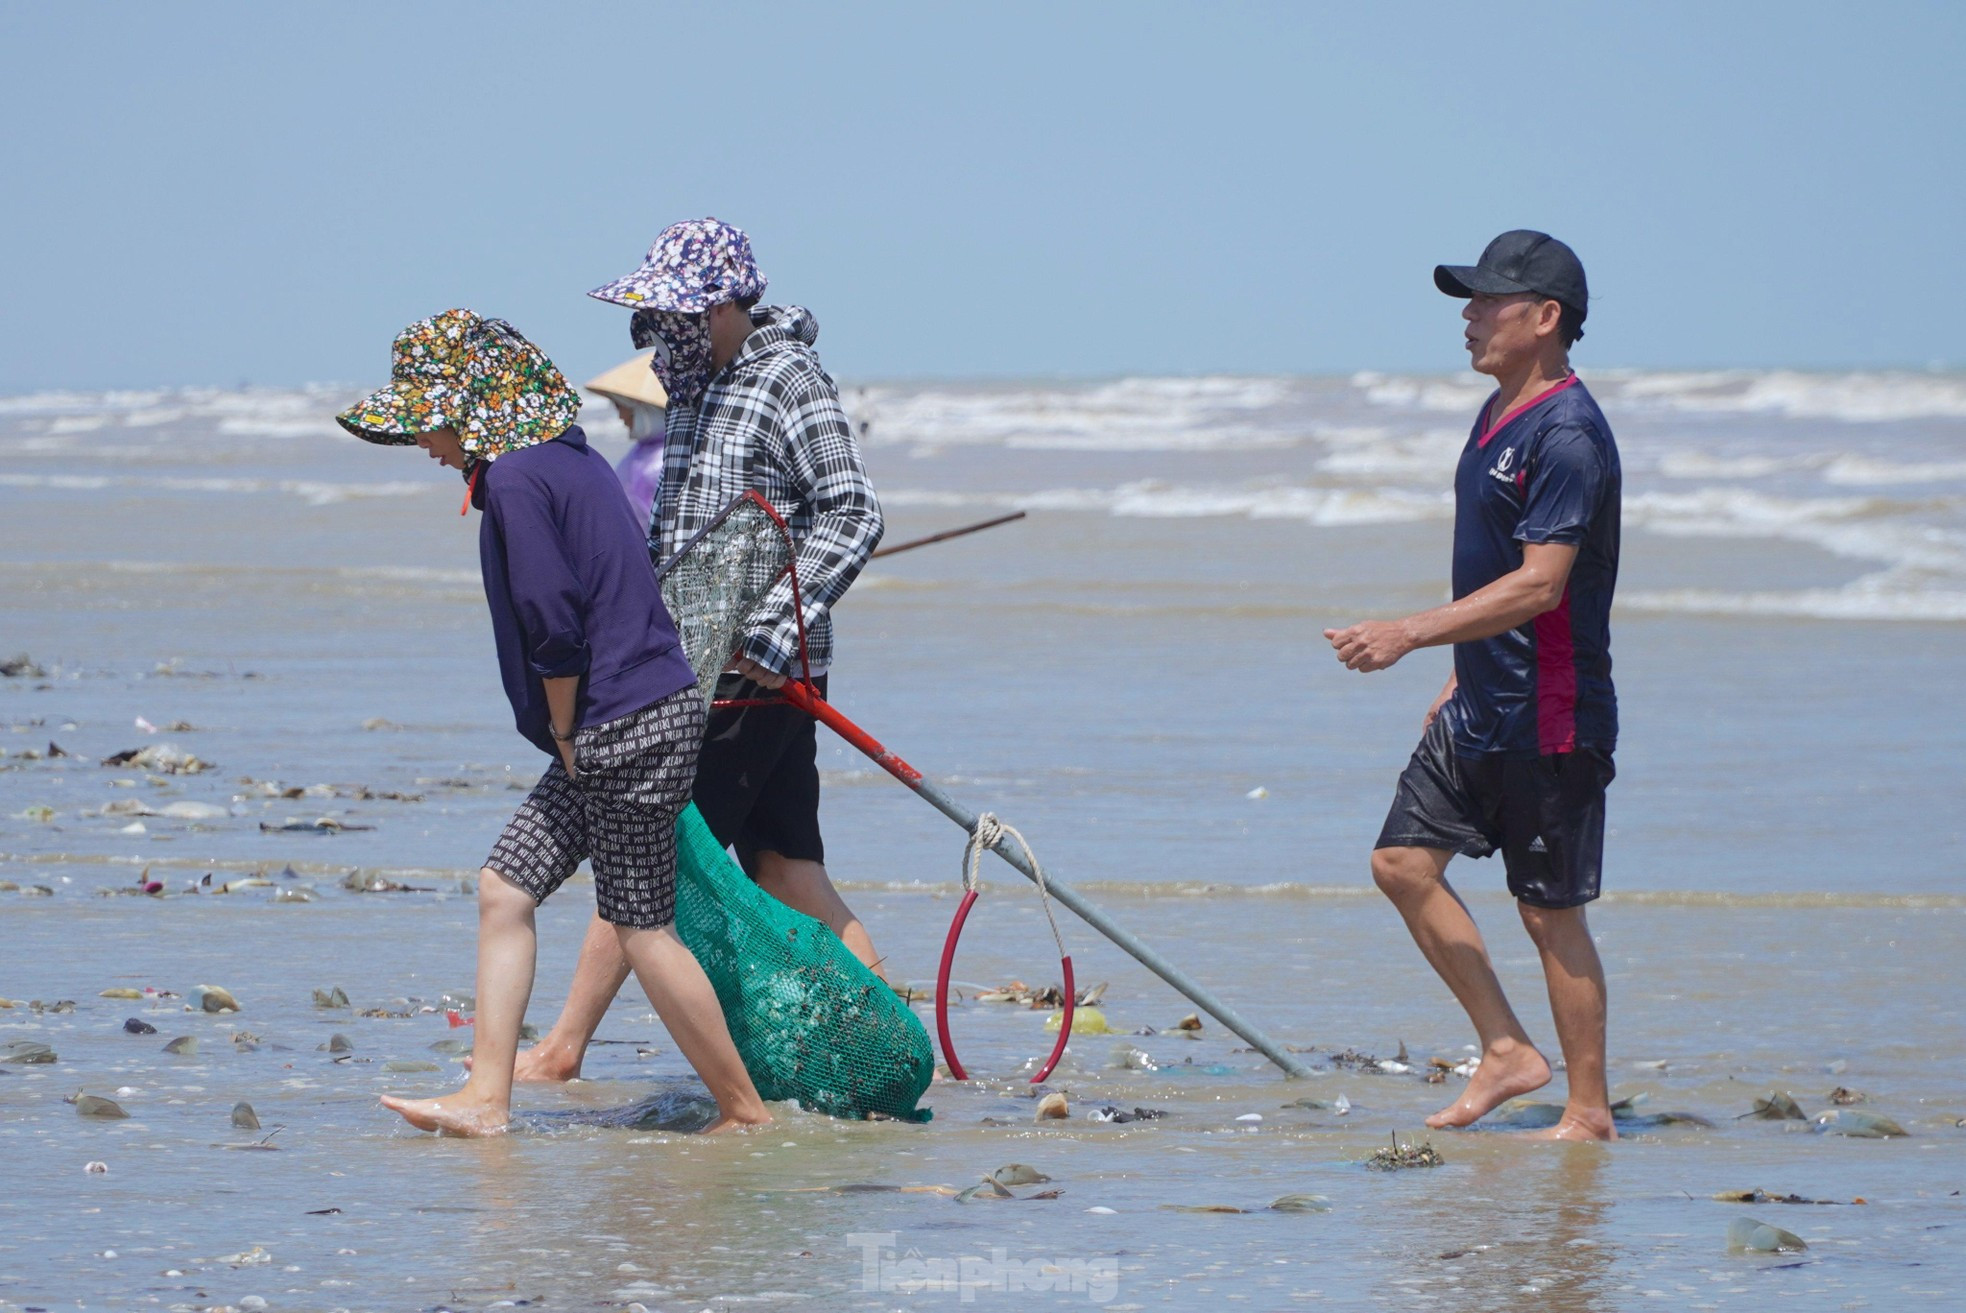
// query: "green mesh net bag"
[[810, 1021]]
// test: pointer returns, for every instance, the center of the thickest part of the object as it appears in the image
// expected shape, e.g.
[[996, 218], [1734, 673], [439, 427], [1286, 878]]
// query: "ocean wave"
[[1866, 397], [1134, 414], [1157, 499], [66, 482], [1864, 471], [1842, 469], [1701, 465], [315, 492], [1863, 528], [1856, 601], [66, 402], [269, 426], [1461, 394], [76, 424], [1871, 396], [303, 412], [1426, 457]]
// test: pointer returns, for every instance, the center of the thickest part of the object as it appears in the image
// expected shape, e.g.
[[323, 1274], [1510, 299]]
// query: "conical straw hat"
[[631, 380]]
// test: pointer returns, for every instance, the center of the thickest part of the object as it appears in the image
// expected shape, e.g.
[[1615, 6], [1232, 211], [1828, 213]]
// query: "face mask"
[[682, 351]]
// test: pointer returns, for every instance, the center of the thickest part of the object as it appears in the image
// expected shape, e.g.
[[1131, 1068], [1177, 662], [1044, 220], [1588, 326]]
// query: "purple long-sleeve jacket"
[[571, 587]]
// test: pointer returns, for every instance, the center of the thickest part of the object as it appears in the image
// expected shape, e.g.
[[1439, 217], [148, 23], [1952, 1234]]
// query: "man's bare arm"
[[1521, 595]]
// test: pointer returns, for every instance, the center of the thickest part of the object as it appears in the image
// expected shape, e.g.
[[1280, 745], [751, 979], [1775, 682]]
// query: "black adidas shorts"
[[757, 780], [1545, 814]]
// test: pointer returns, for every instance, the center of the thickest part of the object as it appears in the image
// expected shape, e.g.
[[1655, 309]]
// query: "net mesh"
[[809, 1020], [718, 579]]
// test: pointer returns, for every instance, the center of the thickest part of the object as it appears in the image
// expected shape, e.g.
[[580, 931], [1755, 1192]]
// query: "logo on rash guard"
[[1501, 470]]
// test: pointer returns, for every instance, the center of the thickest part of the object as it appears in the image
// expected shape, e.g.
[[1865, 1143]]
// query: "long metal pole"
[[808, 700], [947, 534]]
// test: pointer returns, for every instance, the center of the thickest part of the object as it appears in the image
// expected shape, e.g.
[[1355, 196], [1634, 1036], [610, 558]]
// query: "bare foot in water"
[[1504, 1074], [544, 1061], [1575, 1125], [455, 1115], [722, 1124]]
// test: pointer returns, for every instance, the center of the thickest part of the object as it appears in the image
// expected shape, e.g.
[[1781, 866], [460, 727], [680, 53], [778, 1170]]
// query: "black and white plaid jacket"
[[771, 420]]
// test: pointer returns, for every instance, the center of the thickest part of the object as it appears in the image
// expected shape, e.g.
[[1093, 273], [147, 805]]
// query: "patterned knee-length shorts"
[[634, 778]]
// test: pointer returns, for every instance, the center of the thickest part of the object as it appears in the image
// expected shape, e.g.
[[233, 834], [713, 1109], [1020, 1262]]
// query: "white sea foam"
[[1853, 602], [77, 423], [1157, 499], [66, 482], [314, 492], [1135, 414], [59, 403], [1371, 449], [1702, 465], [1425, 458], [268, 426], [1854, 397], [306, 412], [1864, 471], [1867, 397], [1460, 394]]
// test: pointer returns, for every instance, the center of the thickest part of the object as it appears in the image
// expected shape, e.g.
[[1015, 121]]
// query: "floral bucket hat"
[[692, 266], [475, 375]]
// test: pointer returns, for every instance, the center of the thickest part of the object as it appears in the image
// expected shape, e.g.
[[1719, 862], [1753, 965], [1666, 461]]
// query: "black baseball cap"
[[1520, 261]]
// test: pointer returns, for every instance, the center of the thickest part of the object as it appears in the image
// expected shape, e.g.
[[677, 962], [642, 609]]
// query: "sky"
[[226, 193]]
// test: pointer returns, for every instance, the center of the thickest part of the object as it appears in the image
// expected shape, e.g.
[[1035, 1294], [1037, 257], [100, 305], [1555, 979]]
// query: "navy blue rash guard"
[[1548, 473], [571, 587]]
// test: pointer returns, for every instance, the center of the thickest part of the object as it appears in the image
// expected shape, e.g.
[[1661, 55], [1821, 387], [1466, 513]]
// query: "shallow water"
[[1114, 676], [1715, 1005]]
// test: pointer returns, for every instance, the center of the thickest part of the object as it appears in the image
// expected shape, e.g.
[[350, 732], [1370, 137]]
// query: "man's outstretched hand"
[[1372, 644]]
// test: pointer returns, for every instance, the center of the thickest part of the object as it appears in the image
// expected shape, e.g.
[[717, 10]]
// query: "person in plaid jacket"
[[750, 406]]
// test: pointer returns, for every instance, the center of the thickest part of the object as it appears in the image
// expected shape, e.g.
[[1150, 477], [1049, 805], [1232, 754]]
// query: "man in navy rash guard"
[[1516, 750]]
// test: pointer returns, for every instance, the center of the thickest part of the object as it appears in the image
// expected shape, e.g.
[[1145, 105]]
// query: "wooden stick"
[[950, 533]]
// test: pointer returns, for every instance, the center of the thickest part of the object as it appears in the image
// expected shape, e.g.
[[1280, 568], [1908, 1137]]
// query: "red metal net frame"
[[800, 692]]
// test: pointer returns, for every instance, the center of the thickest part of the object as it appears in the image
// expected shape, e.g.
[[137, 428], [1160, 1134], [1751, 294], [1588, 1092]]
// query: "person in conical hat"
[[640, 400], [597, 681]]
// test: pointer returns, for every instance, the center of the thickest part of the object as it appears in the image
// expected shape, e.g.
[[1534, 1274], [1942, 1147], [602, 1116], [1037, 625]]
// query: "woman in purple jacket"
[[597, 681]]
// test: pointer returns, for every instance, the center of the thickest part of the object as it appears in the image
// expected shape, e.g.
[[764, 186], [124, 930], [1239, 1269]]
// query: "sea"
[[286, 627]]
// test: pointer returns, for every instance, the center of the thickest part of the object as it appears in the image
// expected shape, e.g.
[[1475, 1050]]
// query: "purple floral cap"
[[692, 266]]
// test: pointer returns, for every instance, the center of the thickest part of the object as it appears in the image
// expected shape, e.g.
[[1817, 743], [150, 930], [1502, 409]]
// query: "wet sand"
[[577, 1208]]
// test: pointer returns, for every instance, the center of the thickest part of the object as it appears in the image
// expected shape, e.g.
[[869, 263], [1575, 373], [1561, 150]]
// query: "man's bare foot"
[[544, 1061], [1595, 1124], [1504, 1074], [455, 1115], [722, 1124]]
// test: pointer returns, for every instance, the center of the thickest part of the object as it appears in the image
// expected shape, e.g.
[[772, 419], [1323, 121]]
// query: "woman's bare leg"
[[804, 885], [507, 948], [597, 978], [684, 999]]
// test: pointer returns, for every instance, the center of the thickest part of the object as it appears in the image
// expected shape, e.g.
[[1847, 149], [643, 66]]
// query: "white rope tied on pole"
[[988, 833]]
